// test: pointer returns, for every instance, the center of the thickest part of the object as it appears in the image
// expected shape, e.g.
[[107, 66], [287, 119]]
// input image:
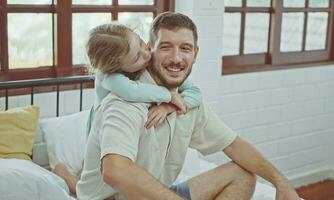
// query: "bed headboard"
[[7, 86], [10, 88]]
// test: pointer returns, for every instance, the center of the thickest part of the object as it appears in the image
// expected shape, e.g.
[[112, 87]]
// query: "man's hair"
[[106, 46], [172, 21]]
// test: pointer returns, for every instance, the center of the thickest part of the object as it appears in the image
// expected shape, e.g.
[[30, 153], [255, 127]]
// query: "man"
[[126, 160]]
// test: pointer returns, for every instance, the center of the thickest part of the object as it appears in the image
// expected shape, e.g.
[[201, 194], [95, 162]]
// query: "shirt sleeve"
[[135, 91], [210, 133], [191, 94], [120, 131]]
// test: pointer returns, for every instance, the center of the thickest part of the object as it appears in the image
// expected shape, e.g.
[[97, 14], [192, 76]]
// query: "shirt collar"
[[146, 77]]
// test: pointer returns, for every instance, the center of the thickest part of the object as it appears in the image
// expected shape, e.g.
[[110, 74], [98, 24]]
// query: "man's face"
[[173, 55]]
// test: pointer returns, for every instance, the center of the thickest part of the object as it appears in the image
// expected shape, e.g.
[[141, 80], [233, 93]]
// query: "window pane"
[[30, 44], [319, 3], [294, 3], [140, 22], [82, 24], [256, 33], [316, 31], [136, 2], [231, 33], [233, 3], [292, 32], [29, 2], [258, 3], [92, 2]]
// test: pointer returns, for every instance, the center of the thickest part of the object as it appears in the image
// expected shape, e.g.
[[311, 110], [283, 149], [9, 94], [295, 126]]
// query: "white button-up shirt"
[[118, 128]]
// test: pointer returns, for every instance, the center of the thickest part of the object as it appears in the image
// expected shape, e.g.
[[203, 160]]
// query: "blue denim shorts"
[[182, 189]]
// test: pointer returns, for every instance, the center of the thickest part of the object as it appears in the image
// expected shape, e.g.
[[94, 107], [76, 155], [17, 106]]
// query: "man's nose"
[[176, 56]]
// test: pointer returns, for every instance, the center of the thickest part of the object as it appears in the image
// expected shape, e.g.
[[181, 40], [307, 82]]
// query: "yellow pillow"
[[17, 132]]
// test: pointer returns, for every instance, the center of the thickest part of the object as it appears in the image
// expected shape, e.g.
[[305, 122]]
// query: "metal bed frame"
[[9, 85], [39, 155]]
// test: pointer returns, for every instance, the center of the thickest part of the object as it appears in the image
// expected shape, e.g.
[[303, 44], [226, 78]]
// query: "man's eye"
[[164, 47]]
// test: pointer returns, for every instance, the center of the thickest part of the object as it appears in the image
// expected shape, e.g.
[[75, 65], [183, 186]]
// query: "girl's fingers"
[[150, 117], [151, 110], [153, 122], [160, 121]]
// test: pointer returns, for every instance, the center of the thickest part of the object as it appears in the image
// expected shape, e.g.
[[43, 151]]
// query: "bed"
[[61, 138]]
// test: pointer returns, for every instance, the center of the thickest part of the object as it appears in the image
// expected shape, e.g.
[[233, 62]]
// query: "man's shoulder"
[[112, 100]]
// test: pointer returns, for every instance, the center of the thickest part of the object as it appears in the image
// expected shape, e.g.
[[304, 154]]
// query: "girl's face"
[[138, 57]]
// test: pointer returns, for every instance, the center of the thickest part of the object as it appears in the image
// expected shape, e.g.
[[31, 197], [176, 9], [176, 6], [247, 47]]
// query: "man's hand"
[[285, 192], [249, 158], [158, 113], [179, 102]]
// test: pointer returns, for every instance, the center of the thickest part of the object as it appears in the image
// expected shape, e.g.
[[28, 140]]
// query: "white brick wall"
[[287, 114]]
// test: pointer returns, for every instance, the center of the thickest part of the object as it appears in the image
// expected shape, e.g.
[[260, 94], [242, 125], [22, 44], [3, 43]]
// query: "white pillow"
[[22, 179], [65, 138]]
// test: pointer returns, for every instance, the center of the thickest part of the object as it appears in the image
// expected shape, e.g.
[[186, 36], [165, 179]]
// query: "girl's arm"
[[130, 90], [191, 94]]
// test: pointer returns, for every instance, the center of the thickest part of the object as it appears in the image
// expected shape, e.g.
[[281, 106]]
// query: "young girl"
[[119, 56]]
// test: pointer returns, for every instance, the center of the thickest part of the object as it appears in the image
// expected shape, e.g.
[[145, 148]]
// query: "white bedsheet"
[[23, 179]]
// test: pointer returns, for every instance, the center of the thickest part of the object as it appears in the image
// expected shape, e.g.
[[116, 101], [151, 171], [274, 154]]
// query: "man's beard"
[[164, 82]]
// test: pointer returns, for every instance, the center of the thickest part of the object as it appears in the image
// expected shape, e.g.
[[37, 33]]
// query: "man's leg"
[[71, 180], [228, 181]]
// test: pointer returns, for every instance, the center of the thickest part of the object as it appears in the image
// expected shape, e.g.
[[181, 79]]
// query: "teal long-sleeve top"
[[136, 91]]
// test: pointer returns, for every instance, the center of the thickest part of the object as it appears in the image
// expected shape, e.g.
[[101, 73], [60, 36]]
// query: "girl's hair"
[[106, 46]]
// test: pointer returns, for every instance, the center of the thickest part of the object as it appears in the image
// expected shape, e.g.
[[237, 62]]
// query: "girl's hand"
[[158, 113], [179, 102]]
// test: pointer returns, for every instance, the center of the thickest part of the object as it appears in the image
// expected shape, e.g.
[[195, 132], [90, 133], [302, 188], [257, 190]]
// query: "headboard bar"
[[6, 99], [7, 85], [45, 82], [57, 110], [32, 96], [81, 87]]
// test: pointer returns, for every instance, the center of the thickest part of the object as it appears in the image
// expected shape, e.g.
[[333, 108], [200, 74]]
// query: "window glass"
[[92, 2], [140, 22], [258, 3], [292, 32], [294, 3], [136, 2], [231, 33], [232, 3], [316, 31], [82, 23], [29, 2], [23, 49], [256, 32], [319, 3]]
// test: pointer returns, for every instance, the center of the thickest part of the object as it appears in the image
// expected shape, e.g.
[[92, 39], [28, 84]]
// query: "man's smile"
[[174, 69]]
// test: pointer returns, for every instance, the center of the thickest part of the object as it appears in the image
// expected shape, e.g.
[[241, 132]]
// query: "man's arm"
[[132, 181], [250, 159]]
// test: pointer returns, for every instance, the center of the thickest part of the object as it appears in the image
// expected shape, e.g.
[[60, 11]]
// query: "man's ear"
[[196, 53]]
